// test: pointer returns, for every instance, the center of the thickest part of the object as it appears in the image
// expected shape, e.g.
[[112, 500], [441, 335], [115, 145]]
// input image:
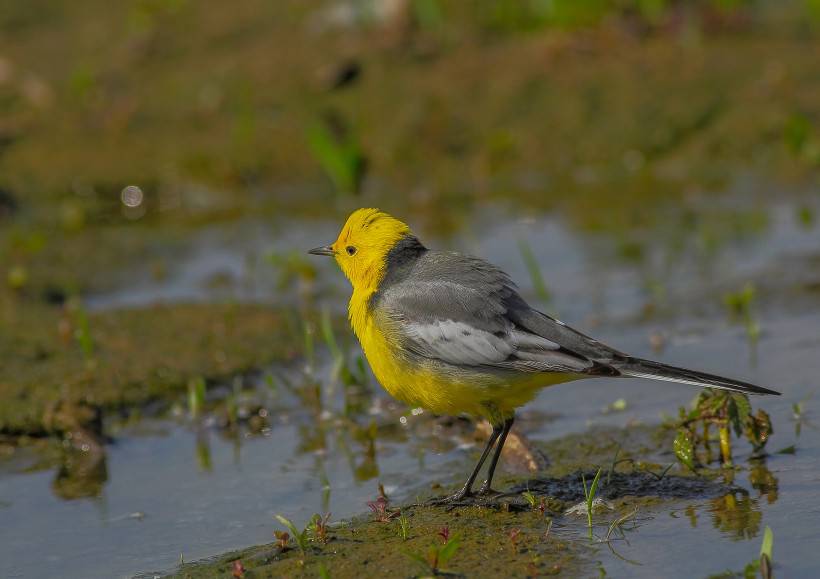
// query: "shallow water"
[[174, 490]]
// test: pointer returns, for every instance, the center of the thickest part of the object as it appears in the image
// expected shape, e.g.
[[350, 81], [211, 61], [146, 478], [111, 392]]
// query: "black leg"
[[486, 487], [467, 489]]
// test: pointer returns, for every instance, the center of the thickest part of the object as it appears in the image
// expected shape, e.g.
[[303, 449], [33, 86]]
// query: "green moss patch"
[[123, 359]]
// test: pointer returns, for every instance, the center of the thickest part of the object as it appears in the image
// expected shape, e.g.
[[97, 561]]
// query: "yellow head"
[[363, 244]]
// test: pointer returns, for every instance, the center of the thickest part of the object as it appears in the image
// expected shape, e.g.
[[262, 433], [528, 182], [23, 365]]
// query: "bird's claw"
[[486, 492], [464, 498], [449, 500]]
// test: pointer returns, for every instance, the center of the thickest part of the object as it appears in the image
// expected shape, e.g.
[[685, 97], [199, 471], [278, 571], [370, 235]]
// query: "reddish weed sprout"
[[444, 533], [282, 539], [381, 513], [514, 536]]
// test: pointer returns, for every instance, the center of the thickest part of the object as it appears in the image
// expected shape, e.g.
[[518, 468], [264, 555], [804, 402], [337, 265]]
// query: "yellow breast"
[[423, 385], [382, 352], [435, 385]]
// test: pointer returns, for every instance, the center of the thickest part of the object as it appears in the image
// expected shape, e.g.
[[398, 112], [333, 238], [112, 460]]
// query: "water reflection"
[[203, 450], [762, 480], [81, 475], [736, 515]]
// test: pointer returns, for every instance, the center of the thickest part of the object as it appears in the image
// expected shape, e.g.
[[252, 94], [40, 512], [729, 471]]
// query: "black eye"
[[350, 250]]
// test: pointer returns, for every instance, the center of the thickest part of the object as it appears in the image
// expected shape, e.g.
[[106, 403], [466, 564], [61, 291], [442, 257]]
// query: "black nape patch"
[[406, 250]]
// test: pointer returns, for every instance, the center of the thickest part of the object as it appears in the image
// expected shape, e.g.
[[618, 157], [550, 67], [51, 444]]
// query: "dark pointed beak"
[[326, 250]]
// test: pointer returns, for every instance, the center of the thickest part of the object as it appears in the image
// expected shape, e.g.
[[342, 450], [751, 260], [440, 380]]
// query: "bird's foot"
[[464, 498], [454, 499], [485, 492]]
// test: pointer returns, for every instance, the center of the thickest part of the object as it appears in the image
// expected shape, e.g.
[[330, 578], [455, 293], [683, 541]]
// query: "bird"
[[450, 333]]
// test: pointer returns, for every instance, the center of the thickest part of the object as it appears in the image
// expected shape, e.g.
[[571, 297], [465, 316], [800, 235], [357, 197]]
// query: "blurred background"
[[174, 369]]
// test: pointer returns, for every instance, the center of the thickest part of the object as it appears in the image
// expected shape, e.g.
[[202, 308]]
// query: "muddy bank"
[[65, 367], [537, 527]]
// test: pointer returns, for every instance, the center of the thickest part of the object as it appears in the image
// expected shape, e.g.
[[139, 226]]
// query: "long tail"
[[639, 368]]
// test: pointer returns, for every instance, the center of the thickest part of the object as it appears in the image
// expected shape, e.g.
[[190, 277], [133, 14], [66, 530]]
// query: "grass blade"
[[768, 539]]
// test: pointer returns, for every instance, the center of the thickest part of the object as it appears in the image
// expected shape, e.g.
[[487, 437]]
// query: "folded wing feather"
[[469, 325]]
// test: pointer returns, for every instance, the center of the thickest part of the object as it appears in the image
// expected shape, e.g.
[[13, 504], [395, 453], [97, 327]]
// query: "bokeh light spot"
[[132, 196]]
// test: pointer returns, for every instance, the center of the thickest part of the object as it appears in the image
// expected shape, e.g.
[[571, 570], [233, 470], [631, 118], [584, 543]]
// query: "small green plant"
[[330, 337], [766, 553], [613, 464], [82, 331], [535, 503], [796, 133], [404, 526], [336, 148], [300, 537], [762, 565], [530, 498], [618, 524], [435, 560], [799, 137], [196, 397], [538, 283], [350, 375], [662, 474], [727, 411], [589, 495], [324, 573], [232, 404], [740, 305], [805, 217], [684, 449], [272, 384], [203, 451], [326, 488], [798, 411], [318, 528]]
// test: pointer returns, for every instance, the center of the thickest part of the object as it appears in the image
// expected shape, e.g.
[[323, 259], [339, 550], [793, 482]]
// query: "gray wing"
[[466, 312]]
